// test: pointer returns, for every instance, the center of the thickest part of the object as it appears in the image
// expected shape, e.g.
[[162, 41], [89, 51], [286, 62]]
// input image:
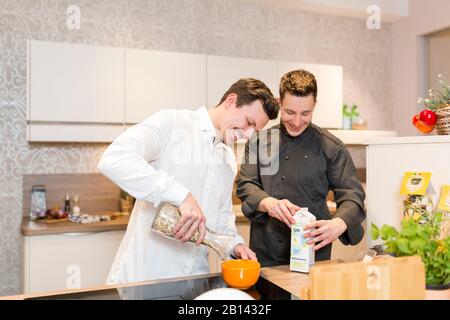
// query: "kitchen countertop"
[[32, 228], [293, 282]]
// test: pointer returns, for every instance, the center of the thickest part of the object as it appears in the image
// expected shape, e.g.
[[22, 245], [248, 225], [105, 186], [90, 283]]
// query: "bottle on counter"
[[167, 216], [76, 209], [67, 204], [346, 118]]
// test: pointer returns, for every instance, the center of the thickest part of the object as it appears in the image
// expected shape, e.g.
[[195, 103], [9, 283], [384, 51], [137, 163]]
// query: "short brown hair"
[[249, 90], [300, 83]]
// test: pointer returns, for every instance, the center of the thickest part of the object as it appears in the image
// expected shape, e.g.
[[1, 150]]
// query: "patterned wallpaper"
[[221, 27]]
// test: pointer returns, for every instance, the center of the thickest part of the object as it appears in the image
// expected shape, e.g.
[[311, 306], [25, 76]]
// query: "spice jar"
[[167, 216]]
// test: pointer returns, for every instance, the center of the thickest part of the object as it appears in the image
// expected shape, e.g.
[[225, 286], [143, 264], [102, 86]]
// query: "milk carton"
[[302, 254]]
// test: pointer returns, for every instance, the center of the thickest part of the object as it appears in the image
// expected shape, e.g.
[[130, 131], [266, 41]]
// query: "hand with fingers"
[[241, 251], [283, 209], [192, 220], [323, 232]]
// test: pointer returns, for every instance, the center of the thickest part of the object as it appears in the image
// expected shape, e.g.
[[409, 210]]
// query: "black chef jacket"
[[309, 166]]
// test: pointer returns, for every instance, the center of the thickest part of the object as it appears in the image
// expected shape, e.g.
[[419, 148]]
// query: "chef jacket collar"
[[297, 138], [207, 125]]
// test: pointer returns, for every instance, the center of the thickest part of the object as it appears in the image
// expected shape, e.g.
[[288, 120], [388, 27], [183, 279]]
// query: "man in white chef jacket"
[[183, 157]]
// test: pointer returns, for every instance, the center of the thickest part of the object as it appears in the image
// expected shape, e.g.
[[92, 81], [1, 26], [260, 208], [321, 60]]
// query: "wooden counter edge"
[[32, 228]]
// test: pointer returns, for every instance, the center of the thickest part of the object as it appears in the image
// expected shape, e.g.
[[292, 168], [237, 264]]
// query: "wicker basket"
[[443, 122]]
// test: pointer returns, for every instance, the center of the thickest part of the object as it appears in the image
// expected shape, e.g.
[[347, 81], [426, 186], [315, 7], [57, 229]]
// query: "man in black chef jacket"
[[308, 162]]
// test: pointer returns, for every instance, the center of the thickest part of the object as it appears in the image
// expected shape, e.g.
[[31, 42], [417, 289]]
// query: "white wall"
[[409, 73], [438, 57]]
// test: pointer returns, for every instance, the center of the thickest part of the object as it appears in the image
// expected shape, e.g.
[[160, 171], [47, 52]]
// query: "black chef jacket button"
[[283, 177], [280, 241], [287, 158]]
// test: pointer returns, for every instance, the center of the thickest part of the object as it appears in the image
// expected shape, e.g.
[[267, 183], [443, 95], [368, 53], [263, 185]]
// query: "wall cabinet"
[[58, 261], [78, 85], [222, 72], [85, 93], [158, 80]]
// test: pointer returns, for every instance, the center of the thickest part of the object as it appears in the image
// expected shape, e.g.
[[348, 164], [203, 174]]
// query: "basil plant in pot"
[[417, 237]]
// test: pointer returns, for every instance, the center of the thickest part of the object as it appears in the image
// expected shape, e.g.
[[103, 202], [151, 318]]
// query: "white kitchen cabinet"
[[158, 80], [75, 83], [328, 111], [75, 92], [222, 72], [387, 161], [58, 261]]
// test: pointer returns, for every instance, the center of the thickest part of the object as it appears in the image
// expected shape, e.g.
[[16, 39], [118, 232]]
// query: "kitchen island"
[[275, 283]]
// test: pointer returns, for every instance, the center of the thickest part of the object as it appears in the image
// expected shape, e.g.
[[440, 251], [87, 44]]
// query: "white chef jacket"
[[161, 160]]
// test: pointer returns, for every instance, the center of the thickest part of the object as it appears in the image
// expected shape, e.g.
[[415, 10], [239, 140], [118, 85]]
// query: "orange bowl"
[[240, 274]]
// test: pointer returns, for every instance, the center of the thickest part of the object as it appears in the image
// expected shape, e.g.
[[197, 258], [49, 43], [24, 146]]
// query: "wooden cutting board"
[[51, 221], [48, 220], [380, 279]]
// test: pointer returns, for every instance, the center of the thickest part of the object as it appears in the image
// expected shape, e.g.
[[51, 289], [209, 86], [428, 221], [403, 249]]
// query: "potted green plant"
[[416, 237], [437, 110]]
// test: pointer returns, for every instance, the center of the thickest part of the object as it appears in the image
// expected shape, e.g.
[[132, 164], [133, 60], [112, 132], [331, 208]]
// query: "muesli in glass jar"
[[167, 216]]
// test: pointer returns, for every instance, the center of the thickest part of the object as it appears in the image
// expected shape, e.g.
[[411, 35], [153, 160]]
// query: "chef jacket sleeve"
[[128, 161], [348, 194], [249, 188]]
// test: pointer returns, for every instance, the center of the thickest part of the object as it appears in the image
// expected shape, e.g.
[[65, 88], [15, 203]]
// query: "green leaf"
[[418, 244], [408, 232], [375, 232], [388, 232], [403, 246]]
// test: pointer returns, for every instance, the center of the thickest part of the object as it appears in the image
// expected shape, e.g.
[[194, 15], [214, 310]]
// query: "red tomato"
[[428, 117], [422, 127], [415, 119]]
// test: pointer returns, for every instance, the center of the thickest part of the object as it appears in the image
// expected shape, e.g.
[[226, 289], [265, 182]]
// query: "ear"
[[231, 100]]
